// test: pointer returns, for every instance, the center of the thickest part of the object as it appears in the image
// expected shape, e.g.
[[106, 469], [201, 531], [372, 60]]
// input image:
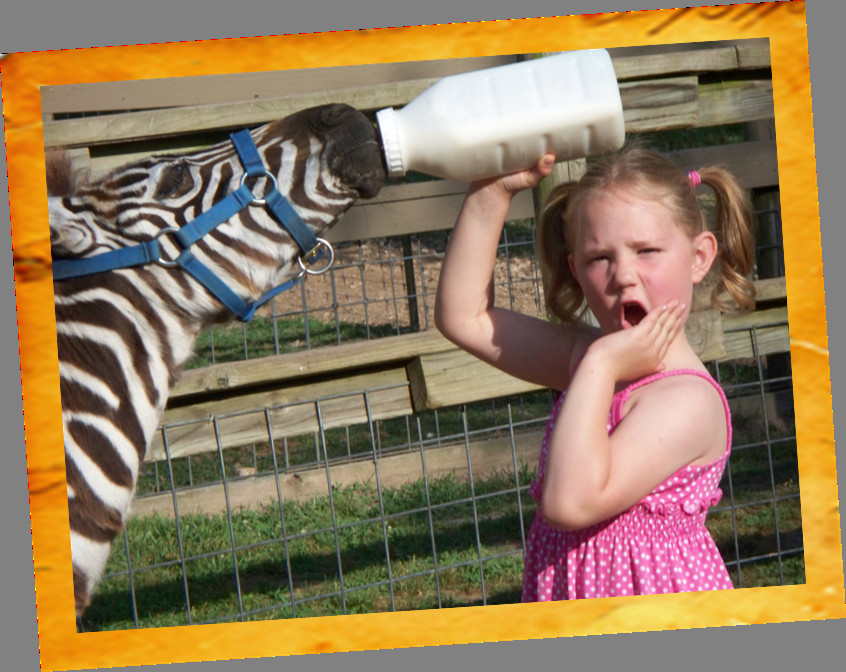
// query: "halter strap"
[[312, 249]]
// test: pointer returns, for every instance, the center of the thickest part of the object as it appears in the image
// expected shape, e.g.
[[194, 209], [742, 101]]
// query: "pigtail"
[[735, 240], [563, 295]]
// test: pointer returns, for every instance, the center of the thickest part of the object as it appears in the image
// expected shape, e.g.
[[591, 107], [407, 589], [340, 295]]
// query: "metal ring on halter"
[[321, 243], [166, 262], [268, 175]]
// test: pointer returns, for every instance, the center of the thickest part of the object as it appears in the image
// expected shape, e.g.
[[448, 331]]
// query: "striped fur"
[[124, 335]]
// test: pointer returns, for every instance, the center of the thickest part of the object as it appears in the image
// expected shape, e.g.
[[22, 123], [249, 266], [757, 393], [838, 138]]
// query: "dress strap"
[[622, 396]]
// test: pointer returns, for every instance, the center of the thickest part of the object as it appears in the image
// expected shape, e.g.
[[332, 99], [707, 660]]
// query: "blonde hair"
[[651, 176]]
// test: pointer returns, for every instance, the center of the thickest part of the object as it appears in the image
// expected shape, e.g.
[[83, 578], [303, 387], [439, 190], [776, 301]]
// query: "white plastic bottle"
[[494, 121]]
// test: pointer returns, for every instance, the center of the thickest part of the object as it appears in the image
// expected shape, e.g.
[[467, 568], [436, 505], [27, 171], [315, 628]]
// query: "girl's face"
[[630, 257]]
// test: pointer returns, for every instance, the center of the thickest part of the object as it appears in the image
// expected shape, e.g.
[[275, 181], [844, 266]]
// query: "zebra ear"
[[175, 181], [66, 239]]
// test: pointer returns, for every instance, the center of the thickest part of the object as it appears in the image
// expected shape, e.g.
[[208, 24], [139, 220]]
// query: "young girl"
[[635, 448]]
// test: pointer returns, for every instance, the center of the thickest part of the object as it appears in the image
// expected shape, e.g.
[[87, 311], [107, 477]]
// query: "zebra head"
[[321, 160]]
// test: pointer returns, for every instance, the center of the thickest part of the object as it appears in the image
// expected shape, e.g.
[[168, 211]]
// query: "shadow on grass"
[[315, 574]]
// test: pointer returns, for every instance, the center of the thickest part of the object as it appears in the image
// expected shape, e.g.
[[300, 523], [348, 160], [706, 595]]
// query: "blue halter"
[[312, 249]]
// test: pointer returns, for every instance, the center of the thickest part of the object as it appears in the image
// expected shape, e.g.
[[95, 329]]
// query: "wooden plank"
[[100, 166], [755, 164], [309, 364], [93, 131], [279, 369], [771, 289], [771, 340], [393, 350], [771, 334], [486, 458], [430, 207], [457, 377], [654, 65], [753, 54], [146, 94], [735, 102], [704, 330], [241, 420], [454, 377], [660, 104], [374, 219], [758, 318]]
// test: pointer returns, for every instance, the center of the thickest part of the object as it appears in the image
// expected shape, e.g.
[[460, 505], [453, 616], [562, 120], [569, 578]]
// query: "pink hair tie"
[[694, 178]]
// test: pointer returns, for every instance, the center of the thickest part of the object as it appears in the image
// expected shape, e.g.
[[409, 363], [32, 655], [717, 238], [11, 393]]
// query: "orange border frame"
[[820, 597]]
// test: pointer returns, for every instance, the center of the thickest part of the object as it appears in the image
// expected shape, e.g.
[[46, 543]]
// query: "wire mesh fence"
[[376, 288]]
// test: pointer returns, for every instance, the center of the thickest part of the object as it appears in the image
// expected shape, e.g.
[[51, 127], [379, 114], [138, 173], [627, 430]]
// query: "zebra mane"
[[62, 179]]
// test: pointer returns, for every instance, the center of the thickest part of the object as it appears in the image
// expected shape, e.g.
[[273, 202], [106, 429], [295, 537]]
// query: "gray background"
[[38, 25]]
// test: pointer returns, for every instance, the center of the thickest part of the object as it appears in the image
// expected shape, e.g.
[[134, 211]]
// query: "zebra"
[[124, 333]]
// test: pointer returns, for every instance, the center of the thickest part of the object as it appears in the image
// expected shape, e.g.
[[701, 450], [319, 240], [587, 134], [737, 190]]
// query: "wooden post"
[[410, 284], [770, 264]]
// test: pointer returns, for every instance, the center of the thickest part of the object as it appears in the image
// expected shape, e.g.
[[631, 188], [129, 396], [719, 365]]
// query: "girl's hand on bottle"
[[522, 179], [640, 350]]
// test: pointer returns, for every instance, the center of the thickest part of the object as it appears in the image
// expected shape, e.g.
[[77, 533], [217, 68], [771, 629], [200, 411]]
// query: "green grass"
[[313, 556]]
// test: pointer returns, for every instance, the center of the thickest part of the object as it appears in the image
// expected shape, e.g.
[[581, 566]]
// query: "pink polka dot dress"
[[660, 545]]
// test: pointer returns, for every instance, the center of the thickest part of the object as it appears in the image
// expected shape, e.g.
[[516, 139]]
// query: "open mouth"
[[633, 313]]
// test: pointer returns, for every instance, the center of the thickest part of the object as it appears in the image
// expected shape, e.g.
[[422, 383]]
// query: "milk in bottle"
[[498, 120]]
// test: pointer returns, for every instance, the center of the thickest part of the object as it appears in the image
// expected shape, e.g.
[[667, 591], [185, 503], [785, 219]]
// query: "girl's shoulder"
[[695, 386], [689, 399]]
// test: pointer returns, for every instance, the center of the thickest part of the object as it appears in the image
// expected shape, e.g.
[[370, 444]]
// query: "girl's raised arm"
[[523, 346]]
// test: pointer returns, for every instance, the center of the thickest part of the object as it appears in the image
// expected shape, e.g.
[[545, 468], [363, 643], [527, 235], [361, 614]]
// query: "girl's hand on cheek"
[[640, 350]]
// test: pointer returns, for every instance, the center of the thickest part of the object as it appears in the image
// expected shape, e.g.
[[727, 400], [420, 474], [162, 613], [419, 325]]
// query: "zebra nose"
[[370, 184], [371, 171], [360, 166]]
